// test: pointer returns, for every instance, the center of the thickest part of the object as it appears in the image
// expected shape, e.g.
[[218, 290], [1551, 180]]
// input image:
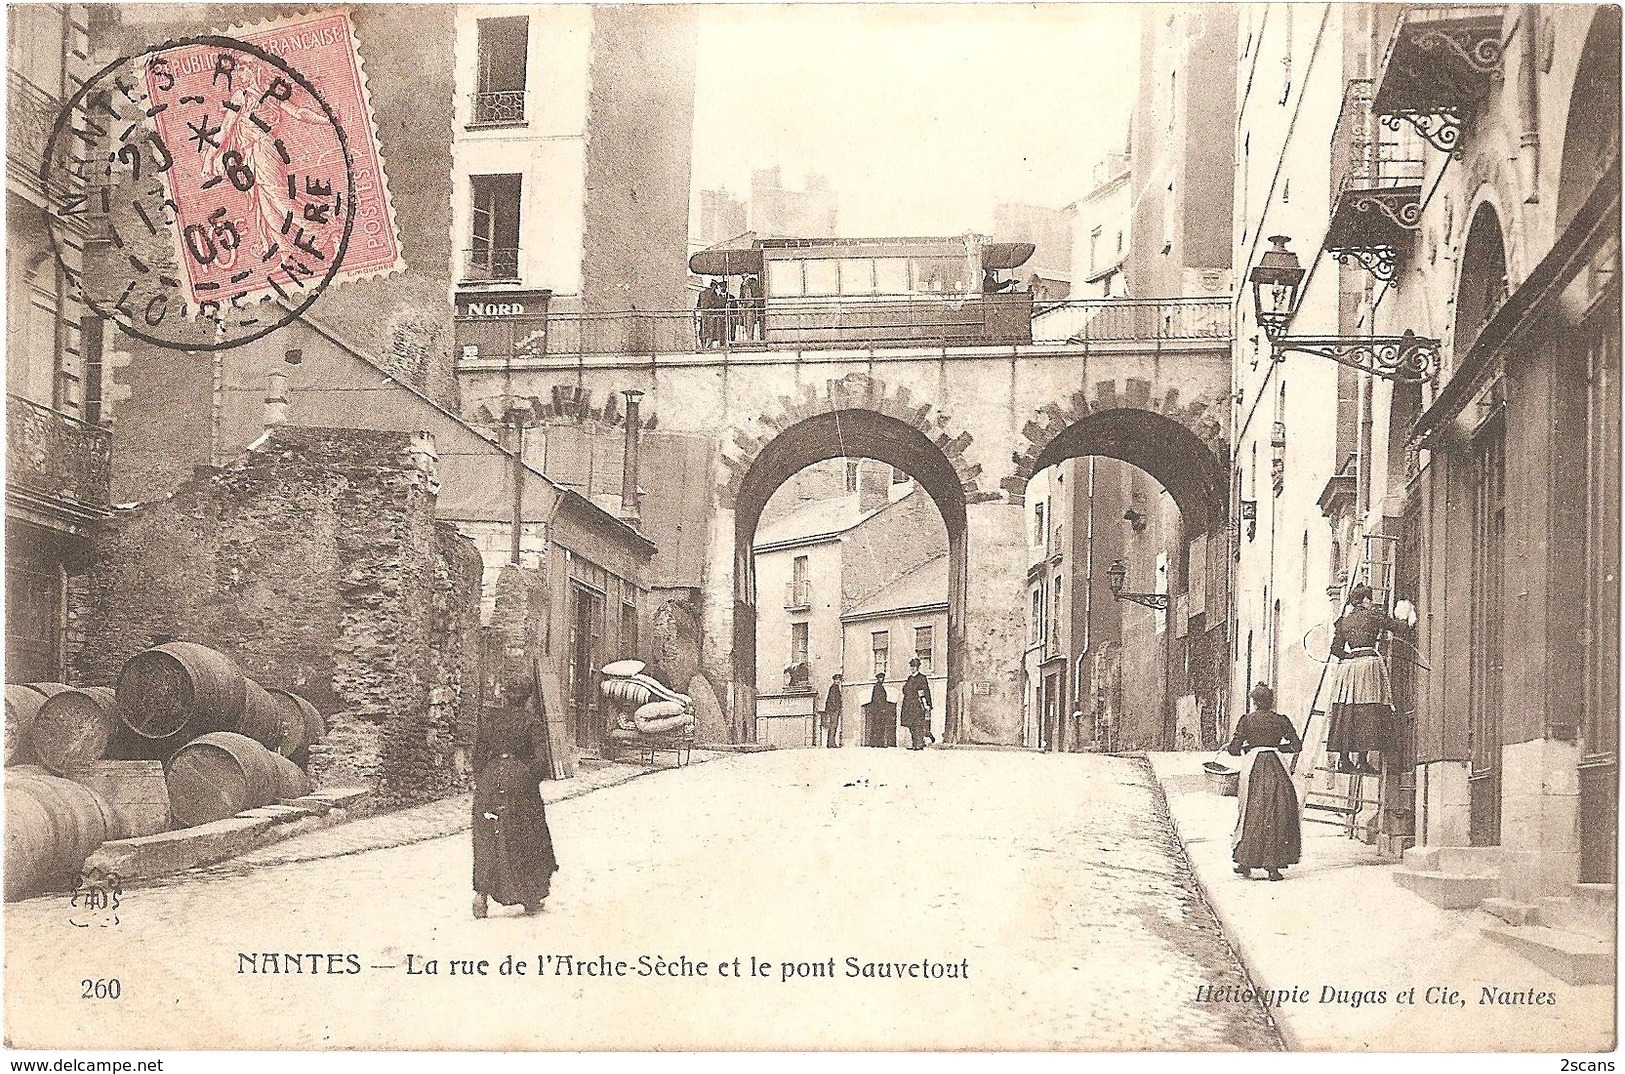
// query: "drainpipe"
[[516, 422], [629, 459], [1529, 106], [276, 401]]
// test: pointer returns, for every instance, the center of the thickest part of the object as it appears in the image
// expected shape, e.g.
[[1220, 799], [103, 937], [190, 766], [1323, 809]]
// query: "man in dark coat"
[[917, 707], [880, 716], [832, 713]]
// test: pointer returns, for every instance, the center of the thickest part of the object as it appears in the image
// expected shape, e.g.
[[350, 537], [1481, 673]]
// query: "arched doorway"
[[1482, 461], [1482, 286], [841, 434]]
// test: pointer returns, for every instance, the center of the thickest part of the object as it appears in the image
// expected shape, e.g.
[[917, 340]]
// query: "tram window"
[[891, 275], [822, 278], [939, 274], [857, 276], [784, 279]]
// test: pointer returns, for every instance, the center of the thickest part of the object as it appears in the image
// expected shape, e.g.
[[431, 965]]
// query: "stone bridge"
[[971, 424]]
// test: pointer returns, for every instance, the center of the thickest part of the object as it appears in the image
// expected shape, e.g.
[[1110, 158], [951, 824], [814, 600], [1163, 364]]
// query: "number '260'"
[[100, 988]]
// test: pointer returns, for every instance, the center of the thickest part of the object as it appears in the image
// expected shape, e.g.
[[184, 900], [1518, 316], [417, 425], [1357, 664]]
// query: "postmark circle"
[[212, 189]]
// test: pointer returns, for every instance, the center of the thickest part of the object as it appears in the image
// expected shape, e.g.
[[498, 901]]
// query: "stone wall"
[[316, 562], [883, 548]]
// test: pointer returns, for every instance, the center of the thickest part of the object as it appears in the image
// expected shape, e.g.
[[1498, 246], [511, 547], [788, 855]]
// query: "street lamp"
[[1117, 574], [1277, 280]]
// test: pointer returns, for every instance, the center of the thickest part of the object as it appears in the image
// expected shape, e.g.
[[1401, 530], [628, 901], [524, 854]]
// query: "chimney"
[[874, 485], [629, 459], [276, 401]]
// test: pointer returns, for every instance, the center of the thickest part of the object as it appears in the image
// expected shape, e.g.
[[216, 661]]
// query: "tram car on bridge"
[[929, 291]]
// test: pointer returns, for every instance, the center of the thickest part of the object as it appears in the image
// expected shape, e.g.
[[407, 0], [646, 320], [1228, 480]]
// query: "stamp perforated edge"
[[245, 31]]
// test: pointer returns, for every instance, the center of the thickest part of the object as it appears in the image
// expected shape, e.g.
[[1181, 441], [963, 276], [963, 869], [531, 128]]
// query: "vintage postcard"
[[870, 527]]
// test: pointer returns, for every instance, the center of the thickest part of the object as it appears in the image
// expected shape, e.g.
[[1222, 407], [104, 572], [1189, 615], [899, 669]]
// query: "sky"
[[922, 117]]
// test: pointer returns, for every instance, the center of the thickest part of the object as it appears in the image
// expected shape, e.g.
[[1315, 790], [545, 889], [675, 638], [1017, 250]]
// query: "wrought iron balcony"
[[30, 114], [499, 108], [489, 263], [1440, 64], [798, 676], [57, 467], [797, 595], [1376, 186]]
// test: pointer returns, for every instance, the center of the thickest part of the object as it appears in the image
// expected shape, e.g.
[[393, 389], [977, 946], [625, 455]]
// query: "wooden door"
[[1599, 731], [1489, 582]]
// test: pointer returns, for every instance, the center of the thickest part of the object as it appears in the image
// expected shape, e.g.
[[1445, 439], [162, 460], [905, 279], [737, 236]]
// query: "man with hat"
[[917, 706], [832, 713]]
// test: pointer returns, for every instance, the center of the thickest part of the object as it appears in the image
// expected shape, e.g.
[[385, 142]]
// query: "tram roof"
[[743, 255]]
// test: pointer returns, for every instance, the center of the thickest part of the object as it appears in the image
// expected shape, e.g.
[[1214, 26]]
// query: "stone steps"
[[1589, 910], [1451, 891], [152, 856], [1571, 957]]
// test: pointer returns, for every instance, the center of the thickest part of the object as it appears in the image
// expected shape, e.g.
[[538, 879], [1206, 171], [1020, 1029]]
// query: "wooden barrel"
[[268, 721], [135, 791], [180, 687], [22, 706], [291, 779], [218, 776], [73, 728], [52, 826], [312, 728]]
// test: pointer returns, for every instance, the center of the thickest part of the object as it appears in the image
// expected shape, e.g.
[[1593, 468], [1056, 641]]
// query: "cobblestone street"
[[1054, 882]]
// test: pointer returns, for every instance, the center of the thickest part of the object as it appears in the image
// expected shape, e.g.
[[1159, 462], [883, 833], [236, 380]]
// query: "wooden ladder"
[[1342, 804]]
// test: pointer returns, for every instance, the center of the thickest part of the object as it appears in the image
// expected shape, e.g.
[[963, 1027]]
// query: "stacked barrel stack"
[[184, 738]]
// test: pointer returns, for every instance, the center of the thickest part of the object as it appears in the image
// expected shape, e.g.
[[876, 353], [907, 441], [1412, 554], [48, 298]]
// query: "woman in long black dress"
[[513, 849], [1267, 834]]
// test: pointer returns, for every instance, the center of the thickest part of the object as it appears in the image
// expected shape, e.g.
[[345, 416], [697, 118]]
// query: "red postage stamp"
[[278, 181]]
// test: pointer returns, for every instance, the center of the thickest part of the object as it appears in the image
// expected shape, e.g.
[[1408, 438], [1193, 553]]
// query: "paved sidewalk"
[[433, 820], [1339, 926]]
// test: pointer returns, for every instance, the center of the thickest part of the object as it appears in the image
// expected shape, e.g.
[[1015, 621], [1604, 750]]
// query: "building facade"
[[57, 444], [1471, 197], [776, 210], [1101, 231], [843, 562], [571, 147]]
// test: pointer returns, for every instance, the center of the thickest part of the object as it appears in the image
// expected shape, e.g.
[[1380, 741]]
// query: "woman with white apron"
[[1267, 834]]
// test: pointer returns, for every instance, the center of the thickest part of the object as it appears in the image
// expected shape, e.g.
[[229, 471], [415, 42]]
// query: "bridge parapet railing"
[[806, 324], [1130, 320]]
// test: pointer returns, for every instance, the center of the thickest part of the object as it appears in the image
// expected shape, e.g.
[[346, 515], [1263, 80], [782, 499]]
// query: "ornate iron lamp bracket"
[[1154, 601], [1379, 259], [1439, 127], [1406, 359]]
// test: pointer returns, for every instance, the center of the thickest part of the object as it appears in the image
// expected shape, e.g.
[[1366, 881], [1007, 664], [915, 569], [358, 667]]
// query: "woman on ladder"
[[1362, 710], [1267, 835]]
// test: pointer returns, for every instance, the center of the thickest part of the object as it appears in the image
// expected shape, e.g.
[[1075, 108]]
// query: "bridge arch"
[[855, 417], [1181, 444]]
